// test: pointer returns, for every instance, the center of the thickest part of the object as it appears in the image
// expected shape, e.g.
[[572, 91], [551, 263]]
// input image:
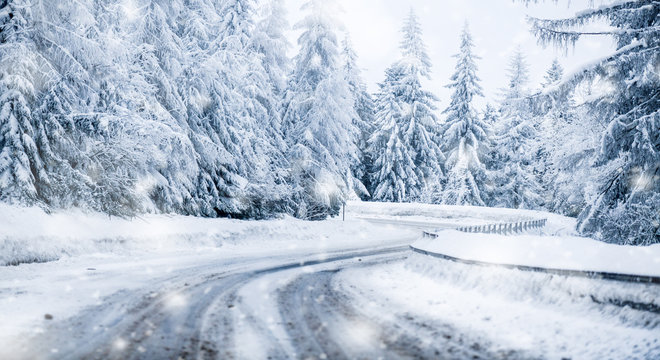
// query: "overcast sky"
[[498, 27]]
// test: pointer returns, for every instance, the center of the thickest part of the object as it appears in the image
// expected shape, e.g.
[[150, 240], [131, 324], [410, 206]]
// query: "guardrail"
[[502, 228], [562, 272], [518, 227]]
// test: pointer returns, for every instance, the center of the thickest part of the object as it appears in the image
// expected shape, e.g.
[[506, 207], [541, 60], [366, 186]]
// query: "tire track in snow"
[[330, 326], [191, 314]]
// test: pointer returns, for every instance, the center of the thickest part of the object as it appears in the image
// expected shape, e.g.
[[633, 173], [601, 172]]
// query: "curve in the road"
[[188, 315]]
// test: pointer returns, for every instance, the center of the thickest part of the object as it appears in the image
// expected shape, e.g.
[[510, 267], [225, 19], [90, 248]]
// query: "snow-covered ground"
[[556, 246], [515, 313], [30, 235], [449, 217], [550, 252], [170, 286], [98, 256]]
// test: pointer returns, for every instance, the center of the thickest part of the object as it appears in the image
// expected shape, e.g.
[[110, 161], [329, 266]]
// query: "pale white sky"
[[498, 26]]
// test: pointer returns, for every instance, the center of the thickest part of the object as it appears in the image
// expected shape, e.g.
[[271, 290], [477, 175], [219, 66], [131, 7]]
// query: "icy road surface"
[[379, 303], [348, 299]]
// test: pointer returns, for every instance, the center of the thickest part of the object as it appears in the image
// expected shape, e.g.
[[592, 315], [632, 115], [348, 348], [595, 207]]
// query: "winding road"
[[246, 308], [267, 307]]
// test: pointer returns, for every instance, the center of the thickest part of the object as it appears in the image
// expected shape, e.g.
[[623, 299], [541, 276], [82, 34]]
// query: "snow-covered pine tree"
[[168, 172], [490, 115], [419, 122], [20, 164], [319, 117], [515, 183], [416, 122], [570, 155], [554, 113], [240, 116], [624, 206], [271, 42], [518, 73], [394, 176], [490, 119], [554, 74], [364, 122], [464, 132]]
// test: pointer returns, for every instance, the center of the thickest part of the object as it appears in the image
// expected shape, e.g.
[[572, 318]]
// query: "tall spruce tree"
[[417, 124], [20, 163], [364, 109], [553, 114], [418, 120], [623, 207], [244, 120], [554, 74], [271, 42], [515, 183], [394, 176], [464, 132], [319, 116]]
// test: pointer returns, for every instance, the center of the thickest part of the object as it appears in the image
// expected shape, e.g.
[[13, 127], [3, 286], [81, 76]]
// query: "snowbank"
[[519, 314], [554, 252], [30, 235]]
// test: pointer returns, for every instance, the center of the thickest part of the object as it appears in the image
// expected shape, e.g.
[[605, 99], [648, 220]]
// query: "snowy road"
[[346, 305], [348, 299], [208, 311], [249, 308]]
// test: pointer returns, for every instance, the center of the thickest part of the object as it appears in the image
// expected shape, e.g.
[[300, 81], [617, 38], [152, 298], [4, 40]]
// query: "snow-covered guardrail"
[[519, 227], [501, 228], [562, 272]]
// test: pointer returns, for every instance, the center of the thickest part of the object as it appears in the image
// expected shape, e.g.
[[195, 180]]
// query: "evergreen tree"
[[319, 117], [490, 119], [395, 178], [623, 207], [271, 42], [413, 48], [552, 115], [246, 173], [20, 164], [416, 120], [490, 115], [464, 132], [518, 73], [554, 74], [570, 151], [165, 107], [364, 122], [515, 183]]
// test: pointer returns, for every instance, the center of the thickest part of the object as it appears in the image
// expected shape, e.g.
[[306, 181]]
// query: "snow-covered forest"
[[196, 107]]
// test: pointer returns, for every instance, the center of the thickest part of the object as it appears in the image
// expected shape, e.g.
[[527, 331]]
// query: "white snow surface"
[[451, 217], [551, 252], [89, 258], [537, 315], [555, 246], [69, 261], [30, 235]]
